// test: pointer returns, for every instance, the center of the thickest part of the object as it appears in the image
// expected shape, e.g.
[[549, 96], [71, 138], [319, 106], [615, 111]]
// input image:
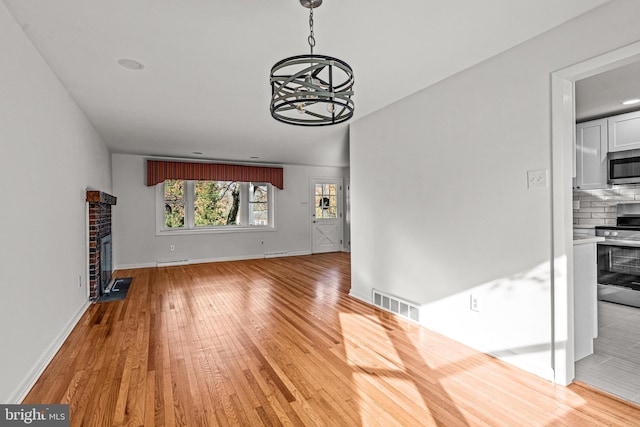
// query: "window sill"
[[205, 230]]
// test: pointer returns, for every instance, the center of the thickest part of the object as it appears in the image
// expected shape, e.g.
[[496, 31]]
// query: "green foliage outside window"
[[199, 204], [216, 203], [174, 203]]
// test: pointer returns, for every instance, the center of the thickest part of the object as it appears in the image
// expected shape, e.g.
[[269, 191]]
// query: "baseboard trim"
[[226, 258], [300, 253], [203, 260], [134, 266], [243, 257], [23, 389], [366, 298]]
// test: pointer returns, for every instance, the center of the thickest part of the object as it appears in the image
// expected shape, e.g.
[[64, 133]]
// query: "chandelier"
[[311, 90]]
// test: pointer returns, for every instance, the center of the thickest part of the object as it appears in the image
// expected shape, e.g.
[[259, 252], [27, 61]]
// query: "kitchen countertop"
[[583, 240]]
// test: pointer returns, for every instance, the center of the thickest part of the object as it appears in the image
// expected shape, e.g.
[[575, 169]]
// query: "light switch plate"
[[576, 204], [537, 178]]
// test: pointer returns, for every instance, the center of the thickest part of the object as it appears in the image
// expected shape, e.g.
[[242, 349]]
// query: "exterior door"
[[326, 215]]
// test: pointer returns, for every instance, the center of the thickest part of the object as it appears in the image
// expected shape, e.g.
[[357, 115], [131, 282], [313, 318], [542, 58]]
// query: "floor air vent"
[[396, 305]]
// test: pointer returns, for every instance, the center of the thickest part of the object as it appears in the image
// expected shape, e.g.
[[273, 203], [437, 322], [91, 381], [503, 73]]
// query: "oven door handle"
[[620, 243]]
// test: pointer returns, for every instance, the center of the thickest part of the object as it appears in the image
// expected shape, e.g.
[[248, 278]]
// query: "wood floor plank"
[[280, 342]]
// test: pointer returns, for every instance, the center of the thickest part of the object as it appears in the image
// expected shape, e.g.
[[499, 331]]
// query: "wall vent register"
[[396, 305]]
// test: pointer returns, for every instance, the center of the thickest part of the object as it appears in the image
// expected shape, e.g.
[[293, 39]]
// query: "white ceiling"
[[602, 95], [206, 82]]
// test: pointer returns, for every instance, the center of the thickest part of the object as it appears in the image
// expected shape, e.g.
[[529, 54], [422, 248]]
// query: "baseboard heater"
[[275, 254], [396, 305], [172, 263]]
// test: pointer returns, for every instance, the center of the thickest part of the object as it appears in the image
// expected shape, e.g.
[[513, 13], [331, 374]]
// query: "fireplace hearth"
[[100, 242]]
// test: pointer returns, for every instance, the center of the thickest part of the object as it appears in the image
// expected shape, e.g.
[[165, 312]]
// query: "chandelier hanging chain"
[[311, 39]]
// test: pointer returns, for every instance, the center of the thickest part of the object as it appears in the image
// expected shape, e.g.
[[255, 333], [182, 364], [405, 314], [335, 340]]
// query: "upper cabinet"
[[591, 154], [624, 132]]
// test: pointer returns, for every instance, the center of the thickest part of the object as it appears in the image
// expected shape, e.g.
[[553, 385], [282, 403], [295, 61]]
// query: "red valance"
[[159, 170]]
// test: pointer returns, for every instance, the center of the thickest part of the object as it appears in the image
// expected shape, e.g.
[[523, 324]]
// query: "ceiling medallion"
[[312, 90]]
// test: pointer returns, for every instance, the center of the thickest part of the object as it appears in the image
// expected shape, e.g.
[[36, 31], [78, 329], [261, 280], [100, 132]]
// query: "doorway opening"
[[562, 149]]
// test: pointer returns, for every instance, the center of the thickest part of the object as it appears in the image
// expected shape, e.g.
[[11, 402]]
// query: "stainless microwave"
[[623, 167]]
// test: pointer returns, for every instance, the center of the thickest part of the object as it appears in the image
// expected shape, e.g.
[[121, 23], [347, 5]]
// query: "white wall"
[[134, 230], [50, 155], [451, 162]]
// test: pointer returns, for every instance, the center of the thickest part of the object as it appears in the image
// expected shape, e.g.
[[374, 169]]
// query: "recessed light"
[[631, 102], [131, 64], [254, 157], [197, 152]]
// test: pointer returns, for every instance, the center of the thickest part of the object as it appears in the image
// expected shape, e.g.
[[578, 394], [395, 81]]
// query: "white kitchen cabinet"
[[624, 131], [585, 295], [591, 155]]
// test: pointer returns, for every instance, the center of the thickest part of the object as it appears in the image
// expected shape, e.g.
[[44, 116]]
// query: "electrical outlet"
[[172, 247], [80, 281], [475, 303]]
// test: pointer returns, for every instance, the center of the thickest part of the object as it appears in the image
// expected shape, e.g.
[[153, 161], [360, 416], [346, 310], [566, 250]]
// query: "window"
[[216, 203], [174, 204], [195, 206], [258, 204]]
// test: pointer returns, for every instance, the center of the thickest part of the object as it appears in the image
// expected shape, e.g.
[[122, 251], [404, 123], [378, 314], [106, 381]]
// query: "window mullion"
[[189, 201], [270, 205], [244, 204]]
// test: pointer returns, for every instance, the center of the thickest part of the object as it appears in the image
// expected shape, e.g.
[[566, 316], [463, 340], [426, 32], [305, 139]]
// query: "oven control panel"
[[619, 235]]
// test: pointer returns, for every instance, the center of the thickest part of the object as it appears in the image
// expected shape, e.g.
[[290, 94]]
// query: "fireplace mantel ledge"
[[100, 197]]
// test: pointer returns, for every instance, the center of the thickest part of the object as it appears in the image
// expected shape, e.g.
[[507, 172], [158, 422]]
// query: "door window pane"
[[326, 201]]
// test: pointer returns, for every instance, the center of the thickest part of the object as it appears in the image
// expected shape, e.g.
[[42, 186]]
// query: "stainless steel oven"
[[619, 257]]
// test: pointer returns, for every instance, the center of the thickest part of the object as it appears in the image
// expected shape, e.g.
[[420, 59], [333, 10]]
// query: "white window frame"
[[248, 204], [189, 212]]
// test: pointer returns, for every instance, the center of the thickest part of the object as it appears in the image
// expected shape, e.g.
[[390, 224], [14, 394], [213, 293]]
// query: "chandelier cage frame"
[[312, 89]]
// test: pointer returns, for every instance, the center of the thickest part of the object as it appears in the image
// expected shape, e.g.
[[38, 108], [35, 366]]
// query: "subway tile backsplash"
[[598, 207]]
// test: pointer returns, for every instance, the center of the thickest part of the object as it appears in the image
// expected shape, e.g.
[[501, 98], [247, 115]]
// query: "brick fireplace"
[[100, 252]]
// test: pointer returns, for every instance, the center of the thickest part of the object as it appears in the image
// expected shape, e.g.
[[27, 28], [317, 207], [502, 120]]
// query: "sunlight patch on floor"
[[377, 365]]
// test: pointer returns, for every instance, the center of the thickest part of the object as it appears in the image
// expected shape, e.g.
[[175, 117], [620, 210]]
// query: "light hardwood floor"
[[280, 342]]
